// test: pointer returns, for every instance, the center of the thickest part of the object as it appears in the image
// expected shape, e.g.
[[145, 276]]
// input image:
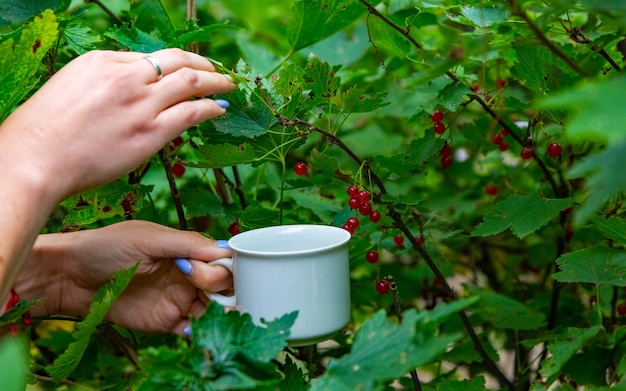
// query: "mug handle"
[[226, 301]]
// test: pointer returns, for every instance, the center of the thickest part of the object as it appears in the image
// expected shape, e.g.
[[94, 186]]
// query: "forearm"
[[27, 200]]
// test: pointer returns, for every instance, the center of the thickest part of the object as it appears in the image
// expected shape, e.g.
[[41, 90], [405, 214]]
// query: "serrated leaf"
[[506, 313], [382, 351], [134, 39], [453, 95], [564, 348], [540, 70], [151, 15], [321, 80], [225, 155], [596, 109], [485, 16], [613, 228], [245, 118], [256, 216], [321, 207], [15, 313], [294, 379], [17, 11], [80, 38], [522, 214], [596, 265], [202, 34], [103, 299], [475, 384], [384, 36], [355, 100], [313, 20], [602, 180], [19, 62]]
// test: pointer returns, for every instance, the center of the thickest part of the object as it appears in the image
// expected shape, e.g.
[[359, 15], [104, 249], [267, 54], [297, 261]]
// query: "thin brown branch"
[[517, 10], [167, 165]]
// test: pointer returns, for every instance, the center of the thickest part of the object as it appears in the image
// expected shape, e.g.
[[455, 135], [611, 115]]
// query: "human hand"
[[67, 269], [104, 113]]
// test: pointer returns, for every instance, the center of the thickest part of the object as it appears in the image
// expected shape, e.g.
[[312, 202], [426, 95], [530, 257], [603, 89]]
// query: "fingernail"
[[187, 331], [229, 77], [222, 103], [184, 265], [222, 244]]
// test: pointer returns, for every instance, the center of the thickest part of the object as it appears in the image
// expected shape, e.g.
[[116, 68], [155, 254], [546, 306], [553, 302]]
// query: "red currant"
[[439, 127], [348, 228], [375, 216], [526, 153], [371, 256], [177, 141], [446, 161], [398, 240], [593, 299], [504, 147], [621, 309], [365, 209], [178, 169], [354, 203], [446, 150], [419, 240], [300, 168], [353, 222], [497, 138], [555, 150], [382, 287], [233, 229], [363, 196], [491, 189], [504, 132], [353, 191], [501, 83], [437, 116], [475, 87]]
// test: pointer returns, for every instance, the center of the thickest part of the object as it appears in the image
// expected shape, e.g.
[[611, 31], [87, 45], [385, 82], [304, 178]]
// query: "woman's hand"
[[67, 269], [105, 112]]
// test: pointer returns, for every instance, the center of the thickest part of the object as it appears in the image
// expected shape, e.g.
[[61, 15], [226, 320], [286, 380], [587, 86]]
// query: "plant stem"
[[167, 165], [111, 14]]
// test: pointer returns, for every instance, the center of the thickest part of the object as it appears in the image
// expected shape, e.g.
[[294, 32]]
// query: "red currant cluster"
[[437, 117], [360, 200], [498, 139], [446, 155]]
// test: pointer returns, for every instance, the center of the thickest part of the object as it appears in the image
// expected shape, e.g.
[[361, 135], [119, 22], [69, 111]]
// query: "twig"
[[516, 9], [239, 188], [111, 14], [398, 308], [167, 165]]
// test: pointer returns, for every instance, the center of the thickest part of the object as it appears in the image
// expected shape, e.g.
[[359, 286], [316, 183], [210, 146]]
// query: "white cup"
[[281, 269]]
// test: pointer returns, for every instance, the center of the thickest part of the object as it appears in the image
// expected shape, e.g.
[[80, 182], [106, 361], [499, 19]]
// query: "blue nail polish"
[[184, 265], [222, 103], [187, 331], [222, 244]]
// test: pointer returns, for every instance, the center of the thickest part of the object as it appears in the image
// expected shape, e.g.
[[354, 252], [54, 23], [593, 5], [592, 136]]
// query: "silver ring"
[[156, 66]]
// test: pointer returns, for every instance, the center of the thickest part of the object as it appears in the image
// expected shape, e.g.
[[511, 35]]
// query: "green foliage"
[[501, 256]]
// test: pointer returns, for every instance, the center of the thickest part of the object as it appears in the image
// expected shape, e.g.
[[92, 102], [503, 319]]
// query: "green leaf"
[[475, 384], [522, 214], [485, 16], [356, 101], [151, 15], [135, 39], [15, 313], [613, 228], [202, 34], [294, 379], [313, 20], [103, 299], [225, 155], [245, 118], [19, 62], [14, 363], [506, 313], [382, 351], [17, 11], [453, 95], [602, 180], [313, 201], [563, 348], [596, 265], [80, 37], [256, 216], [596, 109], [540, 71]]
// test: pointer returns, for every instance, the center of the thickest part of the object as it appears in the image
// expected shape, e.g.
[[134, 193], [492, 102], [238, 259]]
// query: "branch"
[[516, 9], [167, 165]]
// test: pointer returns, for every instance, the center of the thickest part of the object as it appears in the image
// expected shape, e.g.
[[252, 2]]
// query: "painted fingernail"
[[187, 331], [184, 265], [222, 103], [222, 244]]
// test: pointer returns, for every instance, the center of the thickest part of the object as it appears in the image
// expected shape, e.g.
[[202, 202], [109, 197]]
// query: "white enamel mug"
[[280, 269]]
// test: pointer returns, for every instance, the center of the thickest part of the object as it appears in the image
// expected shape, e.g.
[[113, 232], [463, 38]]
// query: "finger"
[[170, 60], [209, 278], [181, 116], [186, 83]]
